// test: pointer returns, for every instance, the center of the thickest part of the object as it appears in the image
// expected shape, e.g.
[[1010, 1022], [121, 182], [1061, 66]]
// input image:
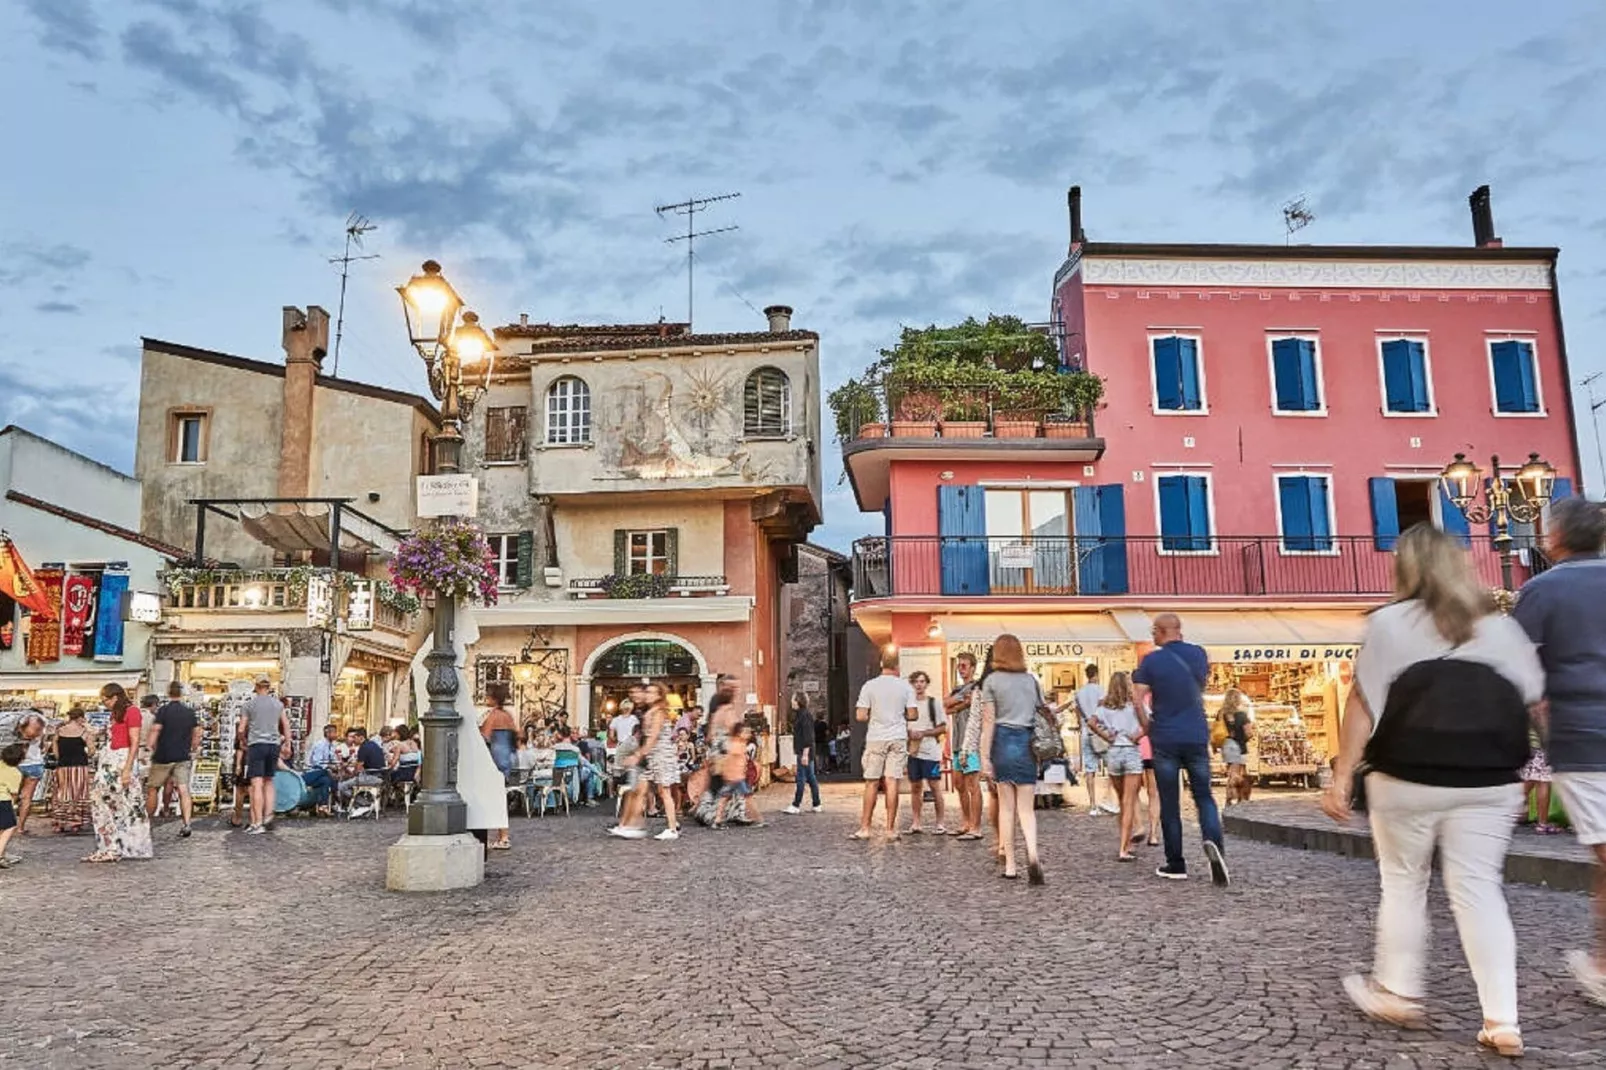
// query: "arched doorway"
[[615, 667]]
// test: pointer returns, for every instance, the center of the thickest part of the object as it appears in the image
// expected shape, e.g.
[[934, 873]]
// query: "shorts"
[[1232, 752], [924, 769], [261, 761], [1583, 796], [736, 788], [1013, 761], [967, 763], [31, 772], [885, 758], [162, 772], [8, 816], [1537, 771], [1124, 761], [1092, 760]]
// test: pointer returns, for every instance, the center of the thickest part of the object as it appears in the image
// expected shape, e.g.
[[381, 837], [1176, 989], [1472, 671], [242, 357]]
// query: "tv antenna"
[[356, 226], [1296, 216], [689, 209], [1588, 383]]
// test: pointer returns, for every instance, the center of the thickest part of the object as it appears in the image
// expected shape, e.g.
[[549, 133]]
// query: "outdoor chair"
[[564, 769], [521, 785]]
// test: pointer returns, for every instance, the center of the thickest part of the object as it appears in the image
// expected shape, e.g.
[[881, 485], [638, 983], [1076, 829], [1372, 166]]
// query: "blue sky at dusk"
[[183, 168]]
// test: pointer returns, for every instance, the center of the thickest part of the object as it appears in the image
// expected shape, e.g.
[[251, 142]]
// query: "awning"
[[302, 527], [1048, 635], [1281, 635], [68, 681]]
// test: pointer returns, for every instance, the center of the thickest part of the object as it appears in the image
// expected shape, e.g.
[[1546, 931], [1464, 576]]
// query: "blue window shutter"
[[1293, 497], [1174, 512], [1385, 513], [1311, 391], [1417, 365], [1397, 376], [1188, 362], [1167, 373], [1321, 524], [1286, 369], [1506, 358], [1452, 520], [1563, 488], [1530, 385], [1088, 552], [1112, 525], [1198, 514], [962, 527]]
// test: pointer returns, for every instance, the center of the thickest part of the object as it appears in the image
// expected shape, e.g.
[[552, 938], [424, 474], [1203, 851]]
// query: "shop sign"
[[1015, 555], [320, 601], [453, 494], [360, 606], [1046, 650], [1281, 653], [144, 607]]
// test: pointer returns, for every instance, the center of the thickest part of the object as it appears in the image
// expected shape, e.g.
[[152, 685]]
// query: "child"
[[733, 768], [10, 787]]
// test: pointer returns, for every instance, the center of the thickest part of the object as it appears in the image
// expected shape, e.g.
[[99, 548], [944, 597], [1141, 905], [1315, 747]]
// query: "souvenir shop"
[[1296, 696]]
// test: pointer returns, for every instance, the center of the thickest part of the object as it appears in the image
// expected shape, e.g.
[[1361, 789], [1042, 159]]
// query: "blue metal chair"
[[565, 767]]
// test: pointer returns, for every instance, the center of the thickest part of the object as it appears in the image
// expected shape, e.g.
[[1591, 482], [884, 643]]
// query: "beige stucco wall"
[[585, 534], [363, 445]]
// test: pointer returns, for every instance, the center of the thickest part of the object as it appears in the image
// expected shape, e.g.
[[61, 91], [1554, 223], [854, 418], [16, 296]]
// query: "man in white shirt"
[[1087, 699], [887, 703]]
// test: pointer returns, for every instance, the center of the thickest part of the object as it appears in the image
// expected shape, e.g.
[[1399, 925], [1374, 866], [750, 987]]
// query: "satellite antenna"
[[1296, 216], [689, 209], [356, 227], [1594, 418]]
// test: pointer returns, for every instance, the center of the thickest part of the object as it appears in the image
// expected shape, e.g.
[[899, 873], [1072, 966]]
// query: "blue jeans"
[[805, 775], [1169, 762], [319, 783]]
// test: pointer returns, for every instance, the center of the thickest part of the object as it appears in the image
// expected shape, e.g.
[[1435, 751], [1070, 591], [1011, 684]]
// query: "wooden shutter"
[[621, 552], [1385, 513], [524, 574], [517, 423], [962, 525], [1188, 365], [1451, 519], [1167, 373], [672, 551]]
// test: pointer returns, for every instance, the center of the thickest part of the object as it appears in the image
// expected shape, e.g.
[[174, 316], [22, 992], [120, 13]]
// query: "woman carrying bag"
[[1444, 686]]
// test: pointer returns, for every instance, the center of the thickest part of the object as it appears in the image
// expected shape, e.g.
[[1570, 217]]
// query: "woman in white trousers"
[[1444, 788]]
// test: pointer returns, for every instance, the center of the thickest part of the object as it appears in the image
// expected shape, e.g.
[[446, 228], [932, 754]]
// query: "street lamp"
[[458, 357], [1522, 500]]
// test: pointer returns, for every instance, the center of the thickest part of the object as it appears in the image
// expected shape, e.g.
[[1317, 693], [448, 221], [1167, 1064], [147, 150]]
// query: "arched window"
[[767, 404], [568, 412]]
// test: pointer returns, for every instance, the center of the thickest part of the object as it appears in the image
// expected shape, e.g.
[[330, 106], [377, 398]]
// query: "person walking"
[[1440, 709], [30, 730], [500, 731], [1169, 700], [267, 729], [1116, 722], [804, 747], [116, 798], [1237, 724], [1010, 697], [1087, 699], [926, 733], [175, 733], [1560, 610], [663, 760], [72, 748], [887, 704], [966, 763]]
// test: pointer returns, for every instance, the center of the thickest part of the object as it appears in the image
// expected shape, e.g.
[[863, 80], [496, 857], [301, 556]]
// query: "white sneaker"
[[255, 830], [626, 833], [817, 809], [668, 834], [1107, 808], [791, 810], [1591, 980]]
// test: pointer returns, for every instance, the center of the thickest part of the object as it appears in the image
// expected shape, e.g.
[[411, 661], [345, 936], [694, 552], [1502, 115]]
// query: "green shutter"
[[525, 575], [672, 549], [621, 552]]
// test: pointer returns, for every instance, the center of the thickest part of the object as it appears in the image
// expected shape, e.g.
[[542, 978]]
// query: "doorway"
[[1414, 502], [1029, 545]]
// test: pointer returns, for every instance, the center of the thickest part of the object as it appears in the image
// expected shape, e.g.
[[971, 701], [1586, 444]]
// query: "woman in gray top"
[[1009, 701]]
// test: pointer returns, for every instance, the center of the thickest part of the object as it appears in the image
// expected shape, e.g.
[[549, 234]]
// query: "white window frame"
[[568, 412], [630, 557], [1321, 375], [1154, 383], [1277, 478], [786, 405], [505, 546], [1210, 498], [1427, 370], [179, 420], [1489, 339]]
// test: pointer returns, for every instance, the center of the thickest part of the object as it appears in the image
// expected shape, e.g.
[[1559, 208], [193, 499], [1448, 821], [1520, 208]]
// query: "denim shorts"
[[1124, 761], [31, 772], [1232, 753]]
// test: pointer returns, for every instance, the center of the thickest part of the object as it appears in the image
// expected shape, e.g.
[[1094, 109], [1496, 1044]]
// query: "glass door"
[[1029, 549]]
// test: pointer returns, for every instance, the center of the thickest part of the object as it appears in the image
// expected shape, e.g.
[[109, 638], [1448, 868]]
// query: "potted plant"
[[857, 407], [635, 585], [916, 415], [964, 413], [1078, 395], [1064, 425], [450, 558], [1018, 407]]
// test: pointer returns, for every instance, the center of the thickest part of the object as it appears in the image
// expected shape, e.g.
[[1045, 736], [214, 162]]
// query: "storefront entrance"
[[619, 668]]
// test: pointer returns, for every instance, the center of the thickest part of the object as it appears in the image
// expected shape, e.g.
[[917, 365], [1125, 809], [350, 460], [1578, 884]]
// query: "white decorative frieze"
[[1361, 274]]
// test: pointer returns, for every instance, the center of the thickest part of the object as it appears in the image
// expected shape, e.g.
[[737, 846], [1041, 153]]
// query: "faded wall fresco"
[[655, 428]]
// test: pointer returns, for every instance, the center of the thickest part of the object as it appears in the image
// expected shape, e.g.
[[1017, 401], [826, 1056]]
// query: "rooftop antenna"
[[689, 209], [356, 227], [1296, 216], [1594, 417]]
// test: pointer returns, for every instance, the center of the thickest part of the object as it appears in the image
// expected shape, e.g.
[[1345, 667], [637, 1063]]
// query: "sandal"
[[1504, 1039], [1126, 858], [101, 857], [860, 835], [939, 831], [1006, 875], [969, 837], [1034, 873], [1544, 828], [1379, 1004]]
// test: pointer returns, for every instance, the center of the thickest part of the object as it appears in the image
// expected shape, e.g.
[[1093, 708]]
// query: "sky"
[[181, 169]]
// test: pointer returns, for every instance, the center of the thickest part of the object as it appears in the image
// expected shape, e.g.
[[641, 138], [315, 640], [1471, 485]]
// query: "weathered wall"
[[586, 533], [363, 445]]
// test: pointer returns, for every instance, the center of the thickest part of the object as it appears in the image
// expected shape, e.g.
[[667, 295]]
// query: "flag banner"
[[109, 618], [44, 628], [77, 612], [8, 621], [17, 581]]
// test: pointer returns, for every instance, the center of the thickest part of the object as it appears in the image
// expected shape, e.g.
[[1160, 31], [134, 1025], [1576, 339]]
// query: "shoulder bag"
[[1047, 746]]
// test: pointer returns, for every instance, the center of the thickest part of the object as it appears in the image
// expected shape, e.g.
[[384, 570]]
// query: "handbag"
[[1218, 734], [1047, 746]]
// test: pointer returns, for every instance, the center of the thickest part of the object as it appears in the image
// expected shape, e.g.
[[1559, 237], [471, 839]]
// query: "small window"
[[568, 412], [188, 438], [504, 434], [1407, 387], [1516, 380], [1296, 376], [1184, 514], [648, 553], [767, 404], [505, 549], [1178, 376], [1304, 517], [490, 670]]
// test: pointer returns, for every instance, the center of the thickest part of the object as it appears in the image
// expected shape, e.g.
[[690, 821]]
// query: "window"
[[1407, 384], [505, 549], [568, 412], [649, 553], [1029, 540], [1305, 514], [1400, 504], [1515, 377], [1178, 374], [767, 404], [491, 669], [1184, 513], [504, 434], [187, 438], [1296, 376]]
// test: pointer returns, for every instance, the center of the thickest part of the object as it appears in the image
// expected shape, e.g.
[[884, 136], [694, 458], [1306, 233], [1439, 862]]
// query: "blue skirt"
[[1012, 758]]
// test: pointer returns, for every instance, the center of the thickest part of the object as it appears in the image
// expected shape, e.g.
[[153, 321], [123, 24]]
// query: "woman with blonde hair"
[[1444, 687], [1115, 721], [1238, 725], [1009, 701]]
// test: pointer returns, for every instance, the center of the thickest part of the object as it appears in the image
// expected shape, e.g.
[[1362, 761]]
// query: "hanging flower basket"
[[450, 559]]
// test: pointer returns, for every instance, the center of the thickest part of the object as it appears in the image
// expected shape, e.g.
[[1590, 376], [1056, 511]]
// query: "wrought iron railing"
[[642, 586], [1254, 565], [980, 410]]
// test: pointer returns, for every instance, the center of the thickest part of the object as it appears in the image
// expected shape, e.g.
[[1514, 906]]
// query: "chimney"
[[1482, 220], [1073, 200], [306, 340], [524, 319], [780, 318]]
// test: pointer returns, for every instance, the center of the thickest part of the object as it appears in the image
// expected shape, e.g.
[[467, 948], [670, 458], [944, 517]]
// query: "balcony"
[[272, 591], [645, 586], [935, 566]]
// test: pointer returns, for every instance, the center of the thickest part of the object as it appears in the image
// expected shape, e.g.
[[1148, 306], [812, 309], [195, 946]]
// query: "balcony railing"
[[266, 591], [959, 410], [1255, 565], [638, 586]]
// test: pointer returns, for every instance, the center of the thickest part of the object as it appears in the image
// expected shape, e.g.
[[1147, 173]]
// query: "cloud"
[[75, 418], [25, 262], [56, 307], [67, 26]]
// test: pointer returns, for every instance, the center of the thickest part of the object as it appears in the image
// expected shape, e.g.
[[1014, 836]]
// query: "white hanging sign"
[[454, 494], [1015, 555]]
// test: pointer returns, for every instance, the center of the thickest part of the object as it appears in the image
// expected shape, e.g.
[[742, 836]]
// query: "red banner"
[[17, 581], [77, 613], [44, 629]]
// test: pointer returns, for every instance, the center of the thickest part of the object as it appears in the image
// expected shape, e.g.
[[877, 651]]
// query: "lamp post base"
[[429, 817], [434, 863]]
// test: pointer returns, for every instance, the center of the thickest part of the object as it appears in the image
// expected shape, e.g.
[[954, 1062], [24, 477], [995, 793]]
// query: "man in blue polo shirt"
[[1170, 702]]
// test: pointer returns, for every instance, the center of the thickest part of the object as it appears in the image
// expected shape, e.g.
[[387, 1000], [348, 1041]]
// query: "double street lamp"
[[458, 355], [1521, 500]]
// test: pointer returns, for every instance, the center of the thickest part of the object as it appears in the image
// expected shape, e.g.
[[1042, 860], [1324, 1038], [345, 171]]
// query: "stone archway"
[[583, 682]]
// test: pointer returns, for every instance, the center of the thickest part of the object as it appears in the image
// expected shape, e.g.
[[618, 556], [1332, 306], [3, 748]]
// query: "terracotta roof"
[[597, 330], [1320, 252], [596, 342], [76, 517]]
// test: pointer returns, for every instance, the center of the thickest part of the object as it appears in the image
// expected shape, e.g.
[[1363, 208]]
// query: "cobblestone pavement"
[[781, 946]]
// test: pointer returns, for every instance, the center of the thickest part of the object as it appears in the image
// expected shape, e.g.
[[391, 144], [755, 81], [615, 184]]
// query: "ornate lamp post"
[[458, 356], [1522, 500]]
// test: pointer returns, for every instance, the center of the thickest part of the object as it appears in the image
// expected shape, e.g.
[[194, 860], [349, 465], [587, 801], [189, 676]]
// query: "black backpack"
[[1452, 723]]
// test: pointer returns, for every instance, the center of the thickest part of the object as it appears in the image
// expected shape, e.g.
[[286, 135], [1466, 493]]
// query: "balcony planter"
[[635, 585], [1062, 426], [964, 428], [1015, 425], [914, 429], [876, 430]]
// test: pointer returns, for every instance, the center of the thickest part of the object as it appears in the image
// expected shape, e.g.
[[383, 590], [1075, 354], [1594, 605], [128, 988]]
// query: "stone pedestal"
[[434, 863]]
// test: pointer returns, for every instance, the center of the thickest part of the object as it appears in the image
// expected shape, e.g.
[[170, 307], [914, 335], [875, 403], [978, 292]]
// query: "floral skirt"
[[69, 802], [121, 825]]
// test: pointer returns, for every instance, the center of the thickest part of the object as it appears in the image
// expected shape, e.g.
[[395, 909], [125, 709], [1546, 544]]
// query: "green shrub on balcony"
[[635, 585]]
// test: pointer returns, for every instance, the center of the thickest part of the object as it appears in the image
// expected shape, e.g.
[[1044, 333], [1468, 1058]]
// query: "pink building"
[[1274, 416]]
